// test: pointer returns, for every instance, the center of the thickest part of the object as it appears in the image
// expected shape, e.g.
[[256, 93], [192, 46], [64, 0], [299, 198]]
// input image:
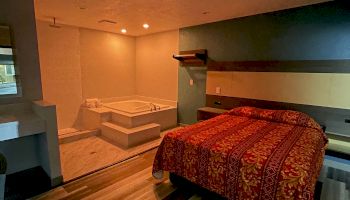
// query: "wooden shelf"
[[192, 58]]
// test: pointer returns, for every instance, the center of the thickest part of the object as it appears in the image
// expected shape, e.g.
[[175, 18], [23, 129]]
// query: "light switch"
[[218, 90], [191, 82]]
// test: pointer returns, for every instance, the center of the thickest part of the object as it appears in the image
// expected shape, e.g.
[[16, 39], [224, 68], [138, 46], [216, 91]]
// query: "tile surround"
[[87, 155]]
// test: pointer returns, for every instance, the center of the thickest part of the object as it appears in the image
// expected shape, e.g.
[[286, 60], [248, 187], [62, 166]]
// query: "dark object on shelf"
[[192, 58], [208, 112], [338, 154]]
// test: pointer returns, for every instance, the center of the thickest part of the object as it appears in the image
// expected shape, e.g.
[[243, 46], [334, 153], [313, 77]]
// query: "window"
[[9, 70], [8, 82]]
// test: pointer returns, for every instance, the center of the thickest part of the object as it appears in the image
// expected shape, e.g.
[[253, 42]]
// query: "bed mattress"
[[247, 153]]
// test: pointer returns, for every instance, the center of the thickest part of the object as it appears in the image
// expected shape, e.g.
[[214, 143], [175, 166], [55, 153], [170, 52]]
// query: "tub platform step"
[[74, 136], [128, 137]]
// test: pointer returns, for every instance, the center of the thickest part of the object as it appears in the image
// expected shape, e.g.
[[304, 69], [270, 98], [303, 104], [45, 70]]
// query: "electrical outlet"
[[218, 90], [191, 82]]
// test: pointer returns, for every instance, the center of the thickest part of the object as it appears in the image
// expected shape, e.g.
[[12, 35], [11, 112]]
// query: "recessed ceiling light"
[[123, 30], [145, 26]]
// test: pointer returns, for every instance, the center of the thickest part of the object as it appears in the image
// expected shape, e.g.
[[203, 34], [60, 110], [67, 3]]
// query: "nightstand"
[[205, 113]]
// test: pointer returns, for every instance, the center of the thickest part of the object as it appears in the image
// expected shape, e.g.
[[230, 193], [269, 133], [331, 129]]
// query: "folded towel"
[[92, 103]]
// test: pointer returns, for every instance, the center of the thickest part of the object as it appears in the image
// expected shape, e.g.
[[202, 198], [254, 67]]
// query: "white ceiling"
[[161, 15]]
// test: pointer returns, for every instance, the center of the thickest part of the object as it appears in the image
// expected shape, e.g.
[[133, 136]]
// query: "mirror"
[[8, 83]]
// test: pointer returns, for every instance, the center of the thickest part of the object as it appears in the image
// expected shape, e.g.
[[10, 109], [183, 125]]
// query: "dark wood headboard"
[[304, 66], [335, 119]]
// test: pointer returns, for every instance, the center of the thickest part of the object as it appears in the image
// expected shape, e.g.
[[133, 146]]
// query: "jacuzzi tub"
[[131, 112], [134, 106]]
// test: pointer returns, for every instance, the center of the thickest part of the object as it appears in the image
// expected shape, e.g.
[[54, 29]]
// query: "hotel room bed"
[[247, 153]]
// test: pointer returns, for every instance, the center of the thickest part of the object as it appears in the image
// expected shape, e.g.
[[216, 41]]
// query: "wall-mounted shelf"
[[192, 58]]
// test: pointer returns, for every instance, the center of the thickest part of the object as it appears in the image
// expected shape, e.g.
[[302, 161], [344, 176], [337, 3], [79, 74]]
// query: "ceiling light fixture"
[[123, 30], [145, 26]]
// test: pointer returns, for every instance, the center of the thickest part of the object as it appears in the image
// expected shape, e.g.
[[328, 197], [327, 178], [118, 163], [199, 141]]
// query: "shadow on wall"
[[191, 96]]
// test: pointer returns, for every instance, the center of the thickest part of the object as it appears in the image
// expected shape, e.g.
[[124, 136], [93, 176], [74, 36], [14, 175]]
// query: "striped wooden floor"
[[132, 179], [129, 180]]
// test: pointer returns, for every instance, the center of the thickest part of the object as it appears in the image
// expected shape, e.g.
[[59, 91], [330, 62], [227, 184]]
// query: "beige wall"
[[156, 70], [59, 51], [323, 89], [81, 63], [21, 19], [107, 63], [30, 151]]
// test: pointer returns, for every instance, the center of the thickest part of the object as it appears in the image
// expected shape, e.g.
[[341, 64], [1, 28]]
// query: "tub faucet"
[[153, 107]]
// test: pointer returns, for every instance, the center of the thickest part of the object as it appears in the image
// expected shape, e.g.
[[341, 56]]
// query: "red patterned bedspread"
[[247, 153]]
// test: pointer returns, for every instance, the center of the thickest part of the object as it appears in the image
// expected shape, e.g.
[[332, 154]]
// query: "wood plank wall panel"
[[308, 66], [321, 89]]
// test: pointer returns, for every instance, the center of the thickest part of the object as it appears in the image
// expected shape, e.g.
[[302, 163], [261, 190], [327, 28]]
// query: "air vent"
[[107, 21]]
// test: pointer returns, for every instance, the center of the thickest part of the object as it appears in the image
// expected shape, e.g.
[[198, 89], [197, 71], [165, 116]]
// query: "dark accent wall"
[[317, 32]]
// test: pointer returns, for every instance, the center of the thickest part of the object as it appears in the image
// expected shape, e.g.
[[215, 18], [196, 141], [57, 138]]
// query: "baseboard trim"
[[56, 181]]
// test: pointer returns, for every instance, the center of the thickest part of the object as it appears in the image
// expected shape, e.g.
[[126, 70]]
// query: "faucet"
[[153, 107]]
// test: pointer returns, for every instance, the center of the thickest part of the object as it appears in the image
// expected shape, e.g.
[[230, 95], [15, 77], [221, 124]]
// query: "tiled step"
[[130, 121], [71, 137], [128, 137]]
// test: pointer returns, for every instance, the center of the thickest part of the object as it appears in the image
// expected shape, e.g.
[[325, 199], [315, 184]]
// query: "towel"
[[93, 103]]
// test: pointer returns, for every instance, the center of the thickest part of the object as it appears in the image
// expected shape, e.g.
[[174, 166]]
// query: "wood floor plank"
[[121, 186], [131, 179], [140, 192], [159, 191], [109, 176], [56, 193]]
